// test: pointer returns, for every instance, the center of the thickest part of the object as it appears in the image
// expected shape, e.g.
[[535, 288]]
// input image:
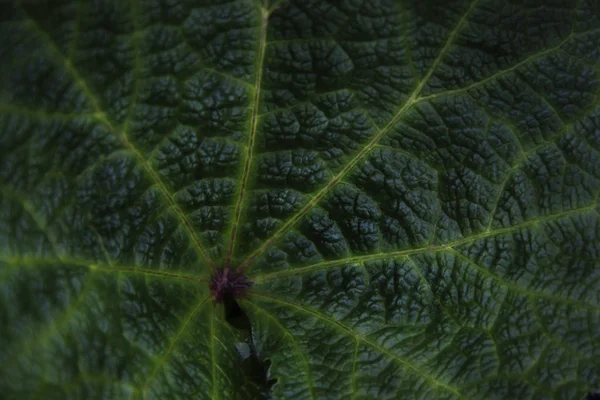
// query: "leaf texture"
[[412, 187]]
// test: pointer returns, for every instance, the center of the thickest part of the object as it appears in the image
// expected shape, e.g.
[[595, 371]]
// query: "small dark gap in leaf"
[[593, 396], [256, 385], [234, 314]]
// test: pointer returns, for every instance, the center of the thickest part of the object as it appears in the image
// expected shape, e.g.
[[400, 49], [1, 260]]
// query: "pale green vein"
[[252, 136], [213, 357], [542, 98], [498, 197], [496, 75], [425, 249], [581, 60], [517, 164], [492, 337], [224, 75], [40, 335], [419, 273], [25, 262], [100, 115], [405, 364], [534, 363], [295, 345], [552, 337], [165, 356], [216, 369], [164, 191], [67, 64], [492, 324], [355, 370], [41, 115], [41, 223], [501, 188], [38, 219], [105, 253], [364, 150], [513, 287]]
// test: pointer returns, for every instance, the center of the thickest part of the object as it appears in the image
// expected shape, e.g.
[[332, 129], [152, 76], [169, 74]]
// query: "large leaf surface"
[[412, 186]]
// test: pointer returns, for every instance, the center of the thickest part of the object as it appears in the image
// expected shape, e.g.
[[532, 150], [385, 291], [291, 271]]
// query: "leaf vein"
[[364, 150], [180, 332], [294, 342], [95, 266], [431, 248], [101, 116], [252, 136], [344, 328]]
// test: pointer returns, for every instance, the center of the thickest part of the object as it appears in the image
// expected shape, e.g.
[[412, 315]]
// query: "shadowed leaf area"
[[300, 199]]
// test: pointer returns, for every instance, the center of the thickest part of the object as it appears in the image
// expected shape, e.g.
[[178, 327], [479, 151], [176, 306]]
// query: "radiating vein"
[[180, 332], [41, 115], [63, 260], [405, 364], [95, 266], [497, 74], [252, 136], [39, 337], [101, 116], [295, 344], [513, 287], [213, 358], [292, 221], [419, 250], [34, 215], [355, 370], [557, 341]]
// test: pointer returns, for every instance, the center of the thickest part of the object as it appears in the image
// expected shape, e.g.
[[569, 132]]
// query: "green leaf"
[[412, 187]]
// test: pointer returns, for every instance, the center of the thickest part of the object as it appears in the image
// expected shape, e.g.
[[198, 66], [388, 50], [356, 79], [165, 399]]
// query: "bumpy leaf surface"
[[411, 185]]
